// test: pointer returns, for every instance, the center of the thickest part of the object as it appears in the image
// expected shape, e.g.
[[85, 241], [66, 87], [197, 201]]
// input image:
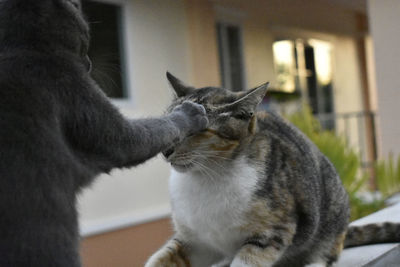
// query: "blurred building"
[[338, 56]]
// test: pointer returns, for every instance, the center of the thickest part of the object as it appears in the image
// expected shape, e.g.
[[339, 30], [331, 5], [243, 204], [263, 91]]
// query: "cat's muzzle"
[[167, 153]]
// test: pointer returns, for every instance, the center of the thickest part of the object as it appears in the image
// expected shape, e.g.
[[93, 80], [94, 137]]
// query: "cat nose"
[[168, 152]]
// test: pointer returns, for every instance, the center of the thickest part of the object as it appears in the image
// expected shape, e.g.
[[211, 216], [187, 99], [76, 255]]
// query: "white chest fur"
[[214, 206]]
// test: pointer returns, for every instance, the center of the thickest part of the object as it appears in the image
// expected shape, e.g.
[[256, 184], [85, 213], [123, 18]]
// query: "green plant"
[[345, 160], [388, 176], [360, 208]]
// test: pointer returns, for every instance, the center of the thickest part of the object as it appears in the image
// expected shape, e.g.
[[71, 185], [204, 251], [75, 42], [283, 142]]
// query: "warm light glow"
[[283, 50], [323, 60], [284, 65]]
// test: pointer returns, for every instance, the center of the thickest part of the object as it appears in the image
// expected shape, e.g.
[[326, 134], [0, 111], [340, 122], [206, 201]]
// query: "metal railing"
[[359, 131]]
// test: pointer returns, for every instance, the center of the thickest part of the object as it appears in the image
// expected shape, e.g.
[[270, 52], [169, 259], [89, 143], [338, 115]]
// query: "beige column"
[[203, 43], [384, 20]]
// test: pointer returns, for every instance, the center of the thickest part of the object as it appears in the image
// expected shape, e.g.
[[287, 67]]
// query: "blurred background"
[[334, 68]]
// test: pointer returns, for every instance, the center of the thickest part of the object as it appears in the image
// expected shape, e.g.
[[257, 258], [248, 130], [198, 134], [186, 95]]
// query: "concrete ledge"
[[382, 255]]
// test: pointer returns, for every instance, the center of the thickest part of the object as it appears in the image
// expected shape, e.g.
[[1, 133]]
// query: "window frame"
[[229, 16], [125, 52], [224, 58]]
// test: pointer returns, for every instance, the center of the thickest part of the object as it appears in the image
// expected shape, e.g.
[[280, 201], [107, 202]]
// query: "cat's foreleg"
[[223, 263], [170, 255], [159, 134], [107, 140], [262, 250]]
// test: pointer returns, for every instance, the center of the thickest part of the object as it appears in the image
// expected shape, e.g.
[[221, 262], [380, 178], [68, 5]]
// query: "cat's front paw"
[[190, 117], [251, 262], [167, 258], [223, 263]]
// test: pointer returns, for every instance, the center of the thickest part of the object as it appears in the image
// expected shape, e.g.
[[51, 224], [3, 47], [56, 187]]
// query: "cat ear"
[[250, 99], [180, 88], [254, 96], [246, 104]]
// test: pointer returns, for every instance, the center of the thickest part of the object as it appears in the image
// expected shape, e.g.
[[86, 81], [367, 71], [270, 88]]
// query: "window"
[[106, 47], [306, 66], [285, 65], [230, 55]]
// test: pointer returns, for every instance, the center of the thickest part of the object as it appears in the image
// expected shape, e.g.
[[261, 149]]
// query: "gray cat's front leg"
[[104, 139], [224, 263], [156, 135]]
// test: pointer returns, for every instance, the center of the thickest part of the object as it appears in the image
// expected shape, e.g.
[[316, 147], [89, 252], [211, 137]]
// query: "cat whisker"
[[212, 174], [203, 169], [208, 159]]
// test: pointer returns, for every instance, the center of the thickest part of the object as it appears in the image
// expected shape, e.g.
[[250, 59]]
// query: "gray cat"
[[252, 190], [58, 131]]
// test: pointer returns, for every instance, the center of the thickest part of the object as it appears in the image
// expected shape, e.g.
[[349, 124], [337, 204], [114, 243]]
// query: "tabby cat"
[[252, 190], [58, 131]]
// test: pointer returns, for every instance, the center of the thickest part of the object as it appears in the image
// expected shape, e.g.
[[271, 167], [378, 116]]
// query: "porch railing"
[[359, 130]]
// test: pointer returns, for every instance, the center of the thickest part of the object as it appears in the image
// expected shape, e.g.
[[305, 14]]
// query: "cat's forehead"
[[212, 96]]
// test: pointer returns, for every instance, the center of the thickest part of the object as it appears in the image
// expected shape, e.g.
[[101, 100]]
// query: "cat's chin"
[[181, 168]]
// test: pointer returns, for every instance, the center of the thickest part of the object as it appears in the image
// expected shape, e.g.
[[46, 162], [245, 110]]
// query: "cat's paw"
[[224, 263], [318, 264], [167, 258], [249, 262], [190, 117]]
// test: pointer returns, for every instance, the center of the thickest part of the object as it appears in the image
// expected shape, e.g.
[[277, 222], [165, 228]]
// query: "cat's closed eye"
[[243, 115]]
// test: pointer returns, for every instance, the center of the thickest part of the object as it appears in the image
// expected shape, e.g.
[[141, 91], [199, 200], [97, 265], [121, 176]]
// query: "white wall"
[[385, 30], [156, 42]]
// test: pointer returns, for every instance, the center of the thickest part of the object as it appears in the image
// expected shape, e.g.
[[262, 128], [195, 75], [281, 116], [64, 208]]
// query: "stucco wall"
[[203, 44], [385, 30]]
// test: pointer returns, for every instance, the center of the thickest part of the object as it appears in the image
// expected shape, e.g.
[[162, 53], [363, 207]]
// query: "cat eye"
[[243, 115]]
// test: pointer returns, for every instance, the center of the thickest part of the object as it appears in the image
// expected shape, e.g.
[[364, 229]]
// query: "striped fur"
[[372, 234], [252, 190]]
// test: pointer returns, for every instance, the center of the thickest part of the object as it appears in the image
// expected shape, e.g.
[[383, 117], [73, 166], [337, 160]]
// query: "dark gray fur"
[[58, 131]]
